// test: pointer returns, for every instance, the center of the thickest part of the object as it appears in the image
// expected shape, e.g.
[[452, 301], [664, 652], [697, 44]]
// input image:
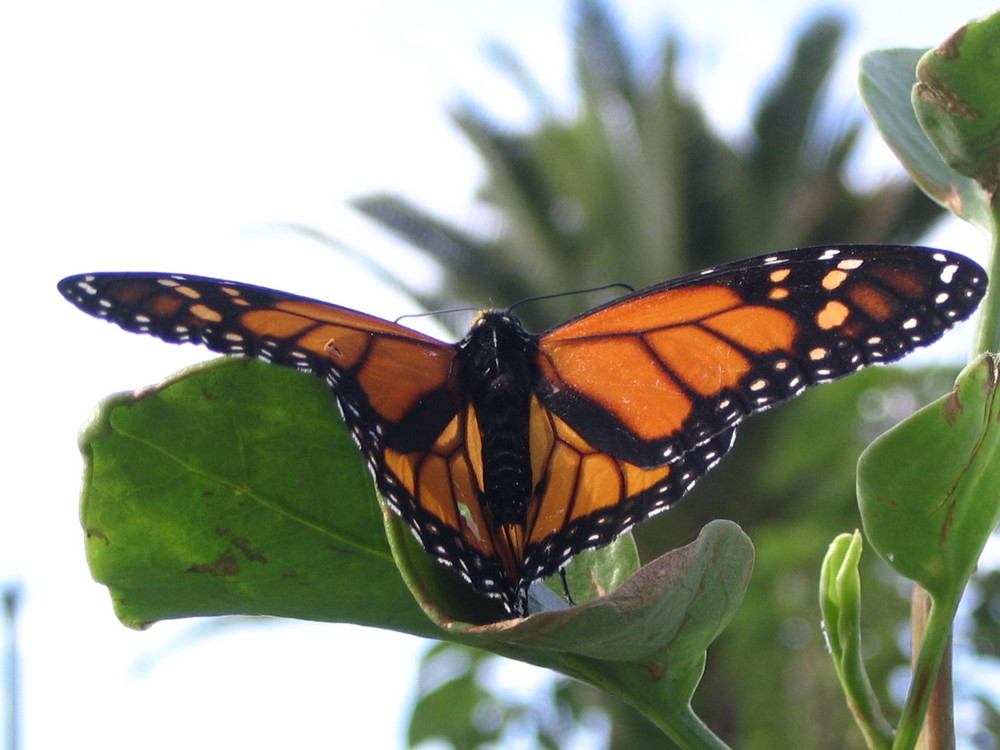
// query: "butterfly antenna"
[[430, 313], [615, 285]]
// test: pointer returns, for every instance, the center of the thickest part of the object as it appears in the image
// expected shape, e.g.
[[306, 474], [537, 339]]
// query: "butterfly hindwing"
[[586, 498]]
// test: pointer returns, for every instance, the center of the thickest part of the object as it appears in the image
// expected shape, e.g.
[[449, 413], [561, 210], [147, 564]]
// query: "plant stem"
[[938, 732], [657, 701], [688, 731], [11, 599], [931, 681], [988, 332]]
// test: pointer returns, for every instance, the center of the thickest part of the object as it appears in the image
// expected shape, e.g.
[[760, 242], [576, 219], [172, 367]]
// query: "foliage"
[[188, 513], [927, 488], [189, 510], [637, 188]]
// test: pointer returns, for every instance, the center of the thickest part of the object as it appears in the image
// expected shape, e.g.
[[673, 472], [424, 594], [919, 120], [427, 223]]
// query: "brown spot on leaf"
[[949, 49], [224, 565], [243, 545], [952, 407], [94, 533], [934, 89]]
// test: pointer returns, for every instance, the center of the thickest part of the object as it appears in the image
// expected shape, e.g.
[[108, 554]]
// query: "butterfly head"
[[496, 330], [493, 317]]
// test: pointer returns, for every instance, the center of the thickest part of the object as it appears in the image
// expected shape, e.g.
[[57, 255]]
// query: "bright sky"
[[181, 137]]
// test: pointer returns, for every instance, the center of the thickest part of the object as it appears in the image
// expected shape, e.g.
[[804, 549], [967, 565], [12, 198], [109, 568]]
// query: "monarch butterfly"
[[509, 452]]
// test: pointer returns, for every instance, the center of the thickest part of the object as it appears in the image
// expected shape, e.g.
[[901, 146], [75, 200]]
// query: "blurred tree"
[[636, 187]]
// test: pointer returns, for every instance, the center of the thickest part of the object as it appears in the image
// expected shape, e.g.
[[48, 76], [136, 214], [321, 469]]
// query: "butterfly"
[[509, 452]]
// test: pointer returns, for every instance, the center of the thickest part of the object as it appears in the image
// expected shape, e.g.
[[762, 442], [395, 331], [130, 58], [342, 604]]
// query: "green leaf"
[[596, 572], [644, 642], [887, 79], [957, 100], [929, 490], [235, 488]]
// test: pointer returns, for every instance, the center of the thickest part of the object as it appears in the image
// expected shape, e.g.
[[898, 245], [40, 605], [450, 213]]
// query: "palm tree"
[[636, 187]]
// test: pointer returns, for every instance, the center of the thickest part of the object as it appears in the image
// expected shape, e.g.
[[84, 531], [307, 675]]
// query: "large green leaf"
[[235, 488], [886, 81], [645, 642], [957, 101], [229, 487], [929, 489]]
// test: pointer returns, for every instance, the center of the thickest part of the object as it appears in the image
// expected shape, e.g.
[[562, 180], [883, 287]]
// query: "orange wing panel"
[[913, 283], [578, 480], [650, 311], [872, 301], [621, 375], [648, 361], [396, 373], [703, 362], [343, 316], [760, 329], [601, 484], [443, 483], [379, 360]]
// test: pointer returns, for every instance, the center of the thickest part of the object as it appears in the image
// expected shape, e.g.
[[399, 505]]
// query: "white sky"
[[180, 137]]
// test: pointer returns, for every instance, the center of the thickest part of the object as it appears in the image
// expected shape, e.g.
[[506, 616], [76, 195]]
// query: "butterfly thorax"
[[499, 372]]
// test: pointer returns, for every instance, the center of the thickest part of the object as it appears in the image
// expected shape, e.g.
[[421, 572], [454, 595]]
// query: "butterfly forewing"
[[651, 375], [378, 369]]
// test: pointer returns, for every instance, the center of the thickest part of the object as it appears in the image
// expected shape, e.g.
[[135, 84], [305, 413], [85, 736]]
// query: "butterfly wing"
[[650, 376], [642, 396], [586, 497], [396, 386], [398, 390]]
